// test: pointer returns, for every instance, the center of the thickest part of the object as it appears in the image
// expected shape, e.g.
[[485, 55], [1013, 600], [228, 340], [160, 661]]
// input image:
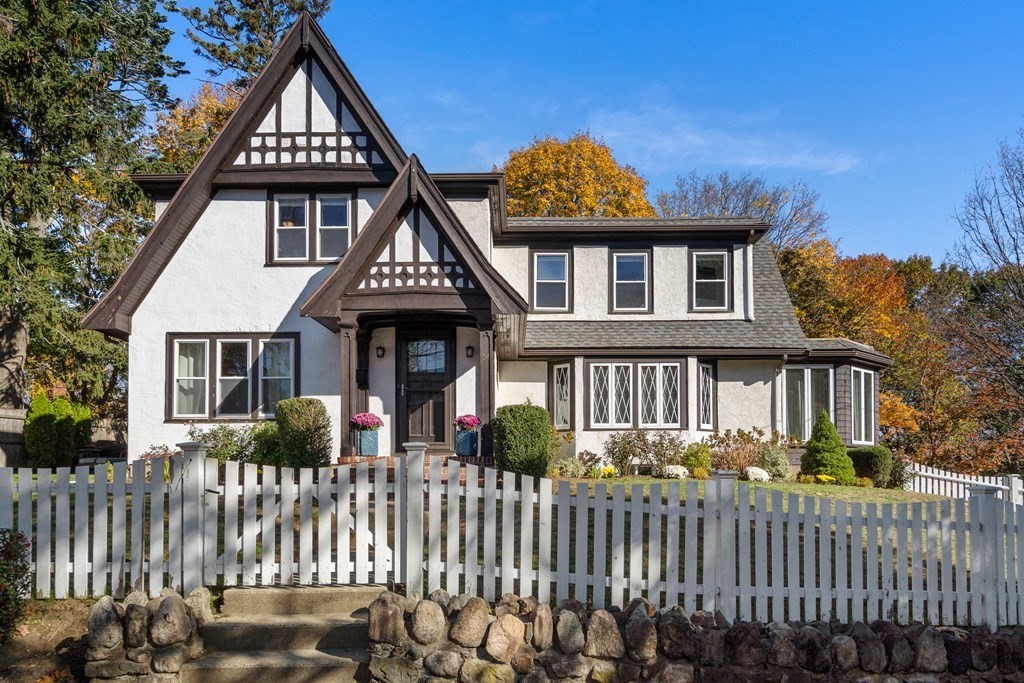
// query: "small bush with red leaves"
[[15, 579]]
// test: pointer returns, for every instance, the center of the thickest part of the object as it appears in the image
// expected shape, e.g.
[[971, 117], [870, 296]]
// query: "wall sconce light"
[[380, 352], [470, 350]]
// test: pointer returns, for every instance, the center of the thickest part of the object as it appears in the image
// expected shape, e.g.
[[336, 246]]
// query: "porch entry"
[[426, 388]]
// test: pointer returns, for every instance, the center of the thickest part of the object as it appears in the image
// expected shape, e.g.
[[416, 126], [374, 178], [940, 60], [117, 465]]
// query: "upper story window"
[[808, 391], [863, 406], [631, 282], [551, 281], [709, 287], [233, 376], [310, 229]]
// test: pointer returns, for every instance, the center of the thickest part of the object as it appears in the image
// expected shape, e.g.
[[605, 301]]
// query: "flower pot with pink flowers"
[[366, 426], [466, 427]]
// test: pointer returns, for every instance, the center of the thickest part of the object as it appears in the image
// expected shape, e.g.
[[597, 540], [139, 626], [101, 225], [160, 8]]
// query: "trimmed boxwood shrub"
[[522, 439], [41, 432], [873, 462], [304, 432], [64, 423], [825, 453], [266, 445], [697, 456]]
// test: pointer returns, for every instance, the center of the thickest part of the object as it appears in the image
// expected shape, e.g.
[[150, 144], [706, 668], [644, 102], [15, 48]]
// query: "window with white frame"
[[550, 281], [291, 241], [333, 229], [562, 408], [659, 394], [190, 378], [706, 396], [710, 280], [611, 394], [233, 393], [277, 377], [863, 406], [630, 274], [808, 391]]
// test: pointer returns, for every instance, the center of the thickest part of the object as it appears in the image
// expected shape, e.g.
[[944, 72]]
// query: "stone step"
[[278, 666], [284, 632], [338, 601]]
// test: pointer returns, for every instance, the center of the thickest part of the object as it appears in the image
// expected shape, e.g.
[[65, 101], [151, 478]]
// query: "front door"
[[424, 389]]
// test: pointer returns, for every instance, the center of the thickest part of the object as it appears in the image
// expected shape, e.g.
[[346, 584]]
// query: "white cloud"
[[656, 137]]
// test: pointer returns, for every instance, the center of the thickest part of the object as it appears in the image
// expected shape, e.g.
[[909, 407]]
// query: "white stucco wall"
[[591, 284], [217, 283], [466, 395], [522, 380], [381, 398], [745, 389], [475, 215]]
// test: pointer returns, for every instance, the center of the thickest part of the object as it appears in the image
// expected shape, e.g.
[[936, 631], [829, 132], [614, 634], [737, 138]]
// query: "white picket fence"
[[939, 482], [752, 552]]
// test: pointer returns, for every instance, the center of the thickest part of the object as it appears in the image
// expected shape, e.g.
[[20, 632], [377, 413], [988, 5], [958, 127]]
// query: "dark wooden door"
[[424, 377]]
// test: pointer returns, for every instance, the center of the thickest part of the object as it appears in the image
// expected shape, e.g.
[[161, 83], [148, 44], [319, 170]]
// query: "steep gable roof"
[[442, 267], [303, 46]]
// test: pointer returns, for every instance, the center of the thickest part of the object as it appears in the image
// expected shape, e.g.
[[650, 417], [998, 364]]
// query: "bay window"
[[808, 391], [611, 395], [659, 395]]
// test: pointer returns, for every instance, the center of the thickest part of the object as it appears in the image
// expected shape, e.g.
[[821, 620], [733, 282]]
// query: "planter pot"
[[367, 442], [465, 442]]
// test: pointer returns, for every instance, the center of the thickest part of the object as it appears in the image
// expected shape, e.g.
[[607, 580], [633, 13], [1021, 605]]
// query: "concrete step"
[[285, 632], [339, 601], [278, 666]]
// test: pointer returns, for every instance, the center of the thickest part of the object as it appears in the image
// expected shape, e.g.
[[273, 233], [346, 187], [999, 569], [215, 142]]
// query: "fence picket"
[[100, 566], [563, 535], [156, 527], [362, 492], [843, 552], [230, 569], [490, 522], [211, 510], [778, 572], [380, 522], [472, 539], [655, 563], [434, 526], [43, 531], [960, 527], [917, 562], [810, 551], [138, 548], [727, 543], [618, 544], [857, 592], [793, 583], [761, 554], [932, 556], [191, 501], [902, 566], [672, 519], [874, 591], [743, 525], [324, 516], [342, 519], [689, 546], [600, 569], [268, 526], [826, 580], [6, 498], [946, 540], [118, 521], [544, 542], [249, 489], [886, 568], [62, 536], [709, 576], [526, 547], [174, 525], [582, 533], [636, 542], [508, 533], [25, 477], [452, 535]]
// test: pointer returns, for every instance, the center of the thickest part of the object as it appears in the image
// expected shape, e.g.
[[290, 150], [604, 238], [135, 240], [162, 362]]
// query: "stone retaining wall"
[[146, 640], [465, 639]]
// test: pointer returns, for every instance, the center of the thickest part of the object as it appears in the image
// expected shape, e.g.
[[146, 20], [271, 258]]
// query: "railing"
[[939, 482], [753, 552]]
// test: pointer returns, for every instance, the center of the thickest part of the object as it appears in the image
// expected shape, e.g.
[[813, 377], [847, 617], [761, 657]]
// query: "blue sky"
[[887, 109]]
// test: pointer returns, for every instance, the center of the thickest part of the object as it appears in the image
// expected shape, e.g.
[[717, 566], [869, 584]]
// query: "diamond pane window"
[[659, 395], [561, 390], [623, 397], [601, 394], [705, 403], [649, 395], [611, 388], [670, 395]]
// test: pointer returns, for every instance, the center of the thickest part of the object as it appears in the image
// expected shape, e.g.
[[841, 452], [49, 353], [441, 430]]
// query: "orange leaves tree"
[[577, 177], [182, 134]]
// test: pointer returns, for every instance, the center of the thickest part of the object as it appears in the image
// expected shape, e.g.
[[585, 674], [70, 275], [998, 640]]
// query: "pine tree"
[[825, 454]]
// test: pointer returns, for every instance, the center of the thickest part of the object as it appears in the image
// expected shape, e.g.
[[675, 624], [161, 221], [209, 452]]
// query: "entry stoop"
[[287, 635]]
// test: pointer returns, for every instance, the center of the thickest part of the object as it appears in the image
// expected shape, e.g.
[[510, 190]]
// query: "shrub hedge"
[[825, 454], [873, 462], [522, 439], [15, 580], [55, 429], [304, 432]]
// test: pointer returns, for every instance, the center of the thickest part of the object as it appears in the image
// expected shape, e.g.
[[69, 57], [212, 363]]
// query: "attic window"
[[290, 237], [710, 285], [309, 229]]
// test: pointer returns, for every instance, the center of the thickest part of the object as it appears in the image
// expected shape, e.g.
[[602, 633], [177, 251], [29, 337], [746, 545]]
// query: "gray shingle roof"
[[775, 325]]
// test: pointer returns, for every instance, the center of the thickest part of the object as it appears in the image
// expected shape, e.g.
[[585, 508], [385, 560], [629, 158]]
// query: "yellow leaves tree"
[[185, 132], [577, 177]]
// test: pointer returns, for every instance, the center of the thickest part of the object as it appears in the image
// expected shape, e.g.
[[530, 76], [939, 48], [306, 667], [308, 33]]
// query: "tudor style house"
[[308, 254]]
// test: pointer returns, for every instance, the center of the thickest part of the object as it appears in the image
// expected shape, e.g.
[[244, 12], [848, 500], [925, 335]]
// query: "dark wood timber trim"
[[211, 339]]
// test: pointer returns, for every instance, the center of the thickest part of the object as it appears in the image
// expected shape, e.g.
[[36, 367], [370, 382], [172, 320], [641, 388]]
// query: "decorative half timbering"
[[417, 258], [309, 123]]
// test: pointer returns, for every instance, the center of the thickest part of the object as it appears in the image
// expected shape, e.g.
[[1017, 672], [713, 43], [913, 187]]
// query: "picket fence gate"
[[940, 482], [752, 552]]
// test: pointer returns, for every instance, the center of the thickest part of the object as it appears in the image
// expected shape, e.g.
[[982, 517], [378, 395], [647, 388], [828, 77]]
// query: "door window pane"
[[426, 355]]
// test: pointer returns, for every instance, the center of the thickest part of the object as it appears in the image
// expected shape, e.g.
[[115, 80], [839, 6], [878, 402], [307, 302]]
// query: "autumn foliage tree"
[[577, 177], [184, 133]]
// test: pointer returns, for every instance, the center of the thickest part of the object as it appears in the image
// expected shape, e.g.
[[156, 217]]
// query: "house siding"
[[844, 402]]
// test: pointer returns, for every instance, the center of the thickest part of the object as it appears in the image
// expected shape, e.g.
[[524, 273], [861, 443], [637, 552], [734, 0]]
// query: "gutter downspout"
[[748, 277]]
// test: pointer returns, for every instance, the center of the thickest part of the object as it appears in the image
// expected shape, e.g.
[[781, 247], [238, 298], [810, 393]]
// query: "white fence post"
[[1015, 488], [413, 528], [193, 474], [986, 546], [726, 542]]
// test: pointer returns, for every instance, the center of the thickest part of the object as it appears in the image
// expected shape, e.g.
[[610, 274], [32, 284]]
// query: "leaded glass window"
[[659, 395], [562, 406], [611, 386], [706, 396]]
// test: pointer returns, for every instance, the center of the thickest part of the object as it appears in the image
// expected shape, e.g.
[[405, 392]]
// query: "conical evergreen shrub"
[[824, 453]]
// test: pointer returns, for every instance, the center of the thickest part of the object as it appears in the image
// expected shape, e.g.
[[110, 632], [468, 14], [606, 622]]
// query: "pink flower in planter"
[[466, 423], [366, 422]]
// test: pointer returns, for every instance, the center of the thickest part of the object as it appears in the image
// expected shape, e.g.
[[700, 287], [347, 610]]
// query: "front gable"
[[413, 255]]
